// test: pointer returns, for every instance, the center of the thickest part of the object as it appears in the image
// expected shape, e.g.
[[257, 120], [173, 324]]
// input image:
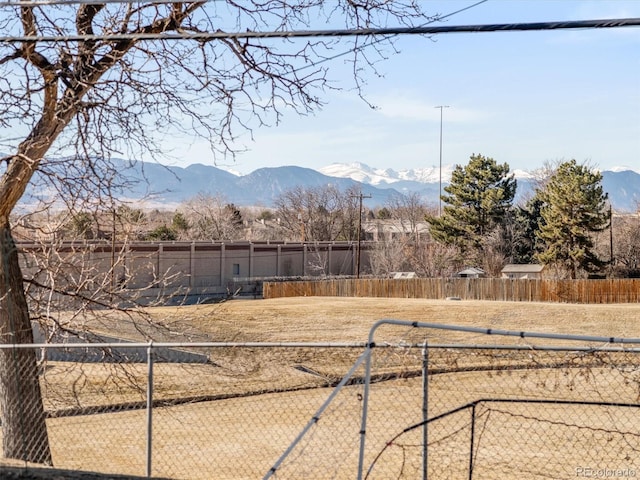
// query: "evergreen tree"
[[574, 207], [81, 226], [480, 194], [179, 223], [384, 214], [162, 233], [234, 215], [527, 222]]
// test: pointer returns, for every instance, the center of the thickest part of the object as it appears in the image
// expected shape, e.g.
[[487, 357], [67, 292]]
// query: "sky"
[[524, 98]]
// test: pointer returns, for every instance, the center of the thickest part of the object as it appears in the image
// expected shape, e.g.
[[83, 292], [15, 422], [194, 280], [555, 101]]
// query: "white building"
[[523, 271]]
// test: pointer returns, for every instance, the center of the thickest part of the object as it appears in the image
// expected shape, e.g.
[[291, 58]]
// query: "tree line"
[[558, 226], [565, 224]]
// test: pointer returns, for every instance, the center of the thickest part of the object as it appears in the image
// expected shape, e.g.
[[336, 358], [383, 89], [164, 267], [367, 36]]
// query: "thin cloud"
[[413, 108]]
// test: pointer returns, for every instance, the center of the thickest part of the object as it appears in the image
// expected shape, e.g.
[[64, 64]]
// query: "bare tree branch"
[[69, 108]]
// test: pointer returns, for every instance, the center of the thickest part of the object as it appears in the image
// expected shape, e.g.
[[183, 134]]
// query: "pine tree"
[[480, 194], [574, 207], [527, 220]]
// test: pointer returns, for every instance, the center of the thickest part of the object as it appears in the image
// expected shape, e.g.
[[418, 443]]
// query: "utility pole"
[[610, 235], [441, 107], [360, 197]]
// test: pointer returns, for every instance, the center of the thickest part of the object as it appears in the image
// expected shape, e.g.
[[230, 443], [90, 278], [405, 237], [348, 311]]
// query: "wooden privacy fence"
[[505, 289]]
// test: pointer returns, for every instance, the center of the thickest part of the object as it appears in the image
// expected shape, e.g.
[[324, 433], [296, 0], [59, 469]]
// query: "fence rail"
[[395, 406], [500, 289]]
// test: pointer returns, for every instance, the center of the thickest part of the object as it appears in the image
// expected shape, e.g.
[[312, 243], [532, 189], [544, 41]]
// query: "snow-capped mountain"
[[622, 184], [375, 176], [169, 186], [624, 168]]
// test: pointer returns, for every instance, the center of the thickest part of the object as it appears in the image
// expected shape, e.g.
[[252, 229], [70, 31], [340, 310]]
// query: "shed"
[[523, 271], [400, 275], [471, 272]]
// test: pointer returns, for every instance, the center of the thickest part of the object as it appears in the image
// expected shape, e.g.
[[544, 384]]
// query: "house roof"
[[471, 271], [404, 274], [522, 268]]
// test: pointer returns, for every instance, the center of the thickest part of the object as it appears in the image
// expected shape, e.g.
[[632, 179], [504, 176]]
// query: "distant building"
[[400, 275], [390, 230], [471, 272], [523, 271]]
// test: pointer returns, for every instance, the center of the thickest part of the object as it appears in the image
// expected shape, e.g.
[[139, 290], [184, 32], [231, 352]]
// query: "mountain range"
[[169, 186], [158, 186], [621, 184]]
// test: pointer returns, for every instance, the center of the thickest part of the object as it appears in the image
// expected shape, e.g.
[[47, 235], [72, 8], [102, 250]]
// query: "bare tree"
[[389, 256], [427, 259], [408, 212], [211, 218], [407, 247], [105, 83], [262, 224], [625, 245], [318, 214], [435, 260]]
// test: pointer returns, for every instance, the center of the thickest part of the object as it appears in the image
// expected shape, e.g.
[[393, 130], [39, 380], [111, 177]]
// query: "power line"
[[437, 18], [426, 30]]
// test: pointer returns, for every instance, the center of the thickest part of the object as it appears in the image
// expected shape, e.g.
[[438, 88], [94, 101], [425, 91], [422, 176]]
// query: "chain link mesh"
[[513, 411], [519, 409], [239, 411]]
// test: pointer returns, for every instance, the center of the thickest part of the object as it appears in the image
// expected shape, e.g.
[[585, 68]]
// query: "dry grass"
[[349, 319], [319, 319], [190, 438]]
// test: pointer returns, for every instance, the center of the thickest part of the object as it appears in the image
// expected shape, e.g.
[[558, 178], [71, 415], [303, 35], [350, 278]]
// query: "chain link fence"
[[403, 405], [532, 406]]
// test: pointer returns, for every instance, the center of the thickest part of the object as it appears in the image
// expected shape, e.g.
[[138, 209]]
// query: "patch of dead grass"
[[209, 428]]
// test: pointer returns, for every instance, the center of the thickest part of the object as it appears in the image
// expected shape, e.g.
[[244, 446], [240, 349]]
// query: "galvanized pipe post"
[[149, 408], [425, 410]]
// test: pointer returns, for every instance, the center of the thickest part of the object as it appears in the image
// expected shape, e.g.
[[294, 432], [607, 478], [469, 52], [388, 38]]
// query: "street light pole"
[[441, 107]]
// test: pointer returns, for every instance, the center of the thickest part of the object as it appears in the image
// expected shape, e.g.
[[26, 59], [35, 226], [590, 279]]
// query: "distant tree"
[[81, 226], [212, 218], [384, 213], [319, 214], [235, 216], [434, 260], [131, 223], [407, 211], [527, 220], [179, 224], [266, 215], [162, 233], [479, 196], [626, 246], [389, 256], [574, 207]]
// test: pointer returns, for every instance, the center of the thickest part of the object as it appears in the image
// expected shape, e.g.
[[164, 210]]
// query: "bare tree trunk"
[[24, 431]]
